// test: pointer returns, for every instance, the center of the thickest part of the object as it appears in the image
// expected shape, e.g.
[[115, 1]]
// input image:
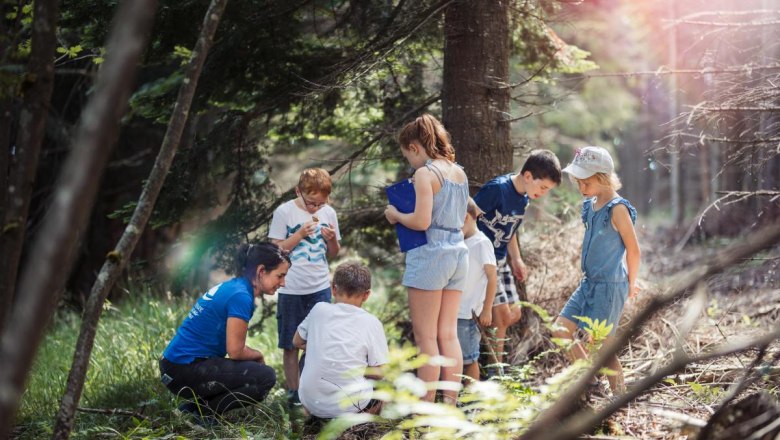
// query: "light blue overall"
[[442, 263], [603, 291]]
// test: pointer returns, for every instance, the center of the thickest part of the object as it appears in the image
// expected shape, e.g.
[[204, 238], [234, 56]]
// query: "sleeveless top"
[[602, 247], [449, 206]]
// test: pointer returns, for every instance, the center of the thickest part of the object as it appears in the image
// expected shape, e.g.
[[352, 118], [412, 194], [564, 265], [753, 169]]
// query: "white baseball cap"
[[589, 161]]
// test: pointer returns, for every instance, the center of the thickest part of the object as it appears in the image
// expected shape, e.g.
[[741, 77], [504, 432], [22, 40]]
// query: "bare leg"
[[616, 381], [447, 337], [424, 308], [577, 351], [471, 370], [515, 313], [290, 364], [501, 318]]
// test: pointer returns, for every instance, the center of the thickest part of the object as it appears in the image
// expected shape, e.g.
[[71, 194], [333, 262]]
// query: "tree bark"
[[475, 92], [117, 259], [38, 85], [52, 252]]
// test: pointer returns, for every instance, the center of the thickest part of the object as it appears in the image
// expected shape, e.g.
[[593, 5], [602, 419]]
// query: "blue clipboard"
[[402, 196]]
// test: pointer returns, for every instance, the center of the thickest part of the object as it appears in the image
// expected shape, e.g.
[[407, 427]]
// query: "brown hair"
[[430, 134], [351, 279], [472, 209], [315, 180]]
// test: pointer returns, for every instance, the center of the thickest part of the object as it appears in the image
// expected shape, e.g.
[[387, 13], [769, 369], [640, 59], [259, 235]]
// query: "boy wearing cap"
[[503, 201], [610, 256]]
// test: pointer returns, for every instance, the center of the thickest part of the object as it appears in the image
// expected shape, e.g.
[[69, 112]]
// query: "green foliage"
[[501, 408], [598, 331]]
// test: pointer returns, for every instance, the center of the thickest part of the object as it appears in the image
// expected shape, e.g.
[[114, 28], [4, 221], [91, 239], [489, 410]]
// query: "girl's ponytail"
[[431, 135]]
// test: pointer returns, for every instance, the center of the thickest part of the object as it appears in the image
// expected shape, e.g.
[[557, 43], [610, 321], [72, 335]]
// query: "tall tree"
[[113, 266], [475, 90], [24, 159], [52, 253]]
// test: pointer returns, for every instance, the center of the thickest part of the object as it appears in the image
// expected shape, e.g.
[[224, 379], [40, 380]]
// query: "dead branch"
[[112, 412], [53, 252], [548, 425], [738, 196], [727, 24], [118, 258]]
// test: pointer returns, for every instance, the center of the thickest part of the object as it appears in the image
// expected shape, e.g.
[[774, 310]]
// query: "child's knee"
[[501, 316]]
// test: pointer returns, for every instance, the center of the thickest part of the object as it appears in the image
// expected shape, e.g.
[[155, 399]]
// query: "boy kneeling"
[[341, 340]]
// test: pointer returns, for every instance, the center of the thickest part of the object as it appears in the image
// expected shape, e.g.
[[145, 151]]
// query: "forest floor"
[[743, 301]]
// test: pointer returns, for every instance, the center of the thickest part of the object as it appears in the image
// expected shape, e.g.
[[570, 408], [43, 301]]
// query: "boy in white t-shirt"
[[479, 291], [307, 227], [341, 340]]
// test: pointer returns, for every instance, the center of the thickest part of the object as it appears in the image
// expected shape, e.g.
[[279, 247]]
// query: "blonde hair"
[[610, 180], [315, 180], [430, 134]]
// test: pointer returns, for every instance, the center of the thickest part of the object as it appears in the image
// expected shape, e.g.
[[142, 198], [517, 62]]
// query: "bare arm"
[[486, 316], [329, 234], [298, 341], [622, 221], [420, 219], [290, 242], [236, 342], [515, 260]]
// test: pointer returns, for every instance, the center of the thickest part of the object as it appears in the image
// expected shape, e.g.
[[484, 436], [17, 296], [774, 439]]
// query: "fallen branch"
[[545, 426], [112, 412]]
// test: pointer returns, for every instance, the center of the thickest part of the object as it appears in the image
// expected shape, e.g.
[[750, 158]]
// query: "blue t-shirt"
[[202, 334], [503, 209]]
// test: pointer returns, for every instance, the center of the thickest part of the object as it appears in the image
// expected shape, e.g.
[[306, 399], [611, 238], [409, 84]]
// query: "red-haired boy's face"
[[312, 201]]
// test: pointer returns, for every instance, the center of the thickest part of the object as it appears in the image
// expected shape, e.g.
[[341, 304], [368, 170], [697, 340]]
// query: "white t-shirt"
[[480, 253], [309, 270], [341, 341]]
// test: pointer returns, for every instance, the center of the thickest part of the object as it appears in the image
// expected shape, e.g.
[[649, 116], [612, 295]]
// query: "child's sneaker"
[[292, 399], [597, 389]]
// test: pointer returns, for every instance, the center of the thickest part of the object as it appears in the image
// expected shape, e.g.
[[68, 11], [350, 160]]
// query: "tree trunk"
[[24, 162], [118, 259], [52, 252], [475, 92], [675, 182]]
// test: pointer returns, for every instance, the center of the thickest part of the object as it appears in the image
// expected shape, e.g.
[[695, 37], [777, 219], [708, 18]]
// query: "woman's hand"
[[391, 214]]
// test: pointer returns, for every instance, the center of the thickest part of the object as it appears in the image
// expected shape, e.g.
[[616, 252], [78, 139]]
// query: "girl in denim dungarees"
[[609, 236], [435, 272]]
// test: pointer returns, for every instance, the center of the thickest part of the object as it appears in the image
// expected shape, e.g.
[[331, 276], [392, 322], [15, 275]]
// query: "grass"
[[123, 375]]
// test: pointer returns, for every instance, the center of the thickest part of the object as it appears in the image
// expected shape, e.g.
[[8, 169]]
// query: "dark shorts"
[[291, 310]]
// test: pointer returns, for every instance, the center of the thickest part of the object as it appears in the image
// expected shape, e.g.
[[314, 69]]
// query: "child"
[[341, 340], [503, 201], [307, 227], [609, 235], [435, 272], [478, 293]]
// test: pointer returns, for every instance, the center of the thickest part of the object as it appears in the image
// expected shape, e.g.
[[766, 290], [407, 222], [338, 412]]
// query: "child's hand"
[[518, 268], [391, 214], [328, 232], [633, 290], [307, 229], [486, 316]]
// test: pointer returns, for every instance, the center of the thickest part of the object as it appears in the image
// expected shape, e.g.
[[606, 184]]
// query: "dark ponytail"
[[267, 254], [431, 135]]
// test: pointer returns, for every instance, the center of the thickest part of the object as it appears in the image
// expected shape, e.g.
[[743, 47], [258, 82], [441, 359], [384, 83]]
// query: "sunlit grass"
[[123, 374]]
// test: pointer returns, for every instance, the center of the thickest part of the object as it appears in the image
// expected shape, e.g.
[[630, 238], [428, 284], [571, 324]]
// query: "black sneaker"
[[292, 399], [192, 409]]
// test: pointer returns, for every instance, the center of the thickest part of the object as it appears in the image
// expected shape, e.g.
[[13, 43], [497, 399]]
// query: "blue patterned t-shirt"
[[503, 209], [309, 270]]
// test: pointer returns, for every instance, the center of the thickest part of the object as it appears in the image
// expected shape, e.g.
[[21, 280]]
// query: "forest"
[[146, 143]]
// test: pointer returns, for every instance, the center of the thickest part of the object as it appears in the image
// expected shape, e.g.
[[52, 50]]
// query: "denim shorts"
[[437, 266], [597, 300], [291, 310], [468, 336]]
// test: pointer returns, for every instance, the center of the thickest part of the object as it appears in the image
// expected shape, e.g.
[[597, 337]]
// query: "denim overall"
[[604, 288], [442, 263]]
